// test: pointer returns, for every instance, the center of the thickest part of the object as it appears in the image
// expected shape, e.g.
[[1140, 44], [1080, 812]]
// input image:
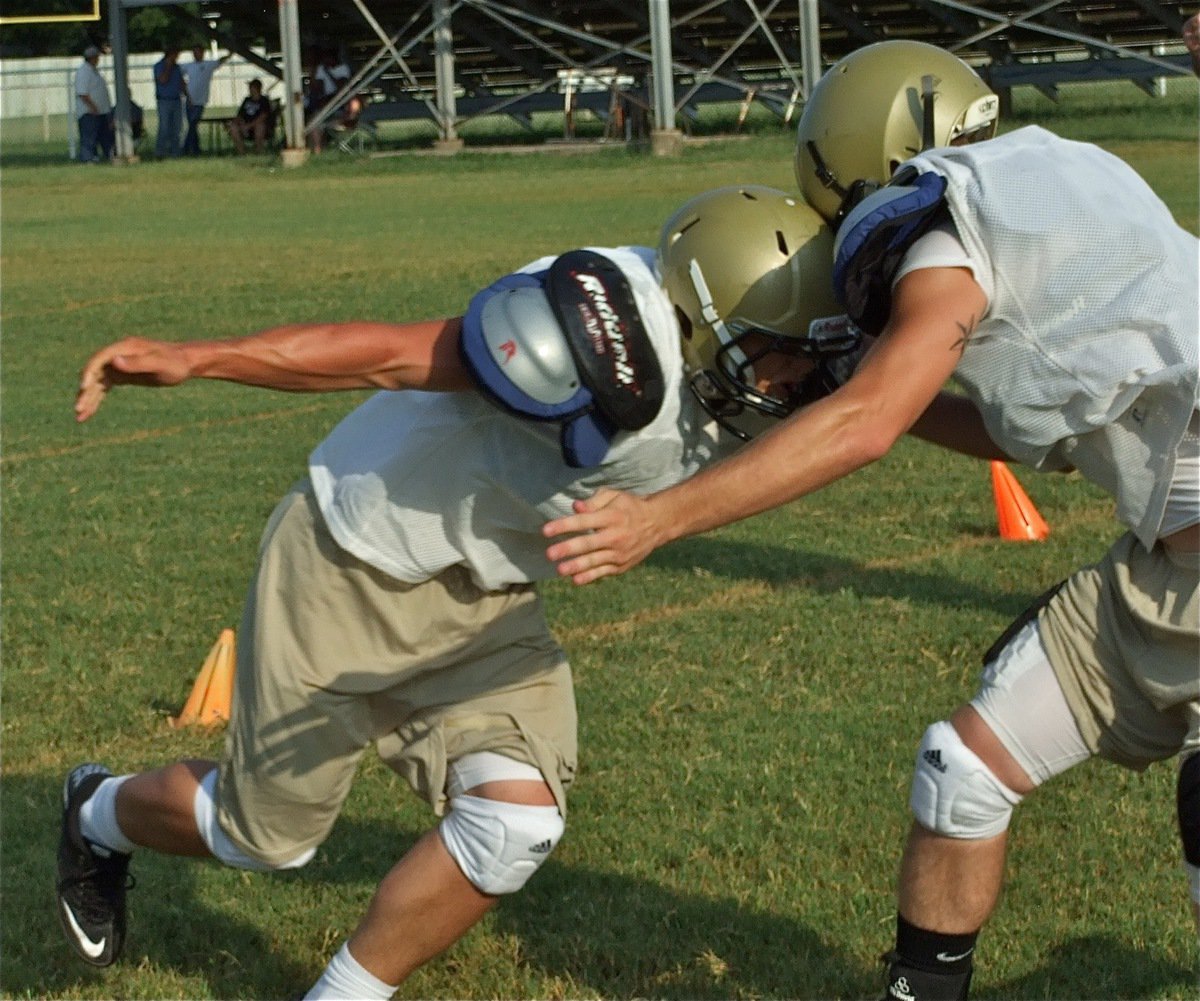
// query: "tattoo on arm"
[[967, 330]]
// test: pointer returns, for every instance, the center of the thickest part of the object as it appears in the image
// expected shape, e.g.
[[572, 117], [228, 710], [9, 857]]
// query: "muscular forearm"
[[828, 440], [317, 357], [309, 357], [613, 531]]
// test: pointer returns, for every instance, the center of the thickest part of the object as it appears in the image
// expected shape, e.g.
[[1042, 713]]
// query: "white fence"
[[31, 88]]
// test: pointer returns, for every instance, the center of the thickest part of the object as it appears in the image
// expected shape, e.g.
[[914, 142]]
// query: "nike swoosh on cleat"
[[943, 958], [93, 949]]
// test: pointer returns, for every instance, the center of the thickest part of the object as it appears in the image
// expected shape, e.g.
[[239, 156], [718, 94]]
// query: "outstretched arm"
[[302, 357], [934, 313]]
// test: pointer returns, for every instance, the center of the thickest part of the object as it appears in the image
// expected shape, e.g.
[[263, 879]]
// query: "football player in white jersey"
[[394, 602], [1059, 291]]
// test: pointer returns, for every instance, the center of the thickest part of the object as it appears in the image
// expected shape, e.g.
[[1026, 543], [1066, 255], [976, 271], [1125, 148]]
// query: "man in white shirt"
[[198, 75], [93, 109]]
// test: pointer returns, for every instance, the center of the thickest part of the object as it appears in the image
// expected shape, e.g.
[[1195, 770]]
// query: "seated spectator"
[[253, 118]]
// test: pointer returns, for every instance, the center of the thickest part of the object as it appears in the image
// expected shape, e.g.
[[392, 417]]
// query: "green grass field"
[[750, 701]]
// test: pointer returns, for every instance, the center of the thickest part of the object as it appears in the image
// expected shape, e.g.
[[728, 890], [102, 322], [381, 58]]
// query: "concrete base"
[[292, 157], [666, 142], [448, 147]]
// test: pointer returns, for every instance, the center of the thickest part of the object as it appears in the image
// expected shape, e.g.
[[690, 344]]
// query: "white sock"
[[98, 817], [345, 979]]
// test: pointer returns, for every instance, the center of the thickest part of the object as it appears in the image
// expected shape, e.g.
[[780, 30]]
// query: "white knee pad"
[[954, 793], [220, 844], [499, 845]]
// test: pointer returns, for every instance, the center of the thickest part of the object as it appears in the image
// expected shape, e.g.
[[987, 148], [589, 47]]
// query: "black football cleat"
[[92, 880]]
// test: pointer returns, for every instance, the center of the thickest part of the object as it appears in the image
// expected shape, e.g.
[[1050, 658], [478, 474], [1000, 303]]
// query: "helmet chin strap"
[[821, 169], [928, 136], [859, 189]]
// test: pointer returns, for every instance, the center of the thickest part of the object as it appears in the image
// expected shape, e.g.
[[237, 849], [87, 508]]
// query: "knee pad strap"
[[499, 845], [954, 793]]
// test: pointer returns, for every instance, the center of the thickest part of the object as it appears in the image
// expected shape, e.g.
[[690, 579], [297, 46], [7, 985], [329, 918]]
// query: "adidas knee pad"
[[954, 793], [499, 845], [220, 844]]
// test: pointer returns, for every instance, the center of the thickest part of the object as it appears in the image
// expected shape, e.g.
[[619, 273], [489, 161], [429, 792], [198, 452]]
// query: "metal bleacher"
[[516, 57]]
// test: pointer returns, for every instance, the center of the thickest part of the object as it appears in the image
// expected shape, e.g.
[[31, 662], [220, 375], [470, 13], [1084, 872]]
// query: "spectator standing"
[[332, 75], [198, 77], [328, 77], [93, 109], [169, 90]]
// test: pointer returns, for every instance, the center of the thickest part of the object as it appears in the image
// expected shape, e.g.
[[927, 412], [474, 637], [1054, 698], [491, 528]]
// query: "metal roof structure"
[[454, 60]]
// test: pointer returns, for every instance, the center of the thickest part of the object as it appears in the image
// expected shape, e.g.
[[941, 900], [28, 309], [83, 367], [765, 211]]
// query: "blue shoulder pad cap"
[[873, 240], [517, 354]]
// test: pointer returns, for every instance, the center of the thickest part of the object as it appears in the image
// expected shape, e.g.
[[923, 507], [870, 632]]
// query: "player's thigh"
[[512, 696], [1124, 639], [324, 643]]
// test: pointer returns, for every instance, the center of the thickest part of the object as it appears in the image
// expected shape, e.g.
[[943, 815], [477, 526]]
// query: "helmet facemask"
[[729, 391], [749, 270]]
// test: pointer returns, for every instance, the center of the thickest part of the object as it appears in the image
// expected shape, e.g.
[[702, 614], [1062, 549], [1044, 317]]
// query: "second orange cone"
[[1019, 520], [212, 694]]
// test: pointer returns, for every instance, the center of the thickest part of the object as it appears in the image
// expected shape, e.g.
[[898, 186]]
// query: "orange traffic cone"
[[1019, 519], [218, 700], [212, 693]]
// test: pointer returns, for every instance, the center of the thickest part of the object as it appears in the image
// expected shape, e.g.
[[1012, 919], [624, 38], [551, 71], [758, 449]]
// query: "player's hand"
[[619, 531], [134, 361]]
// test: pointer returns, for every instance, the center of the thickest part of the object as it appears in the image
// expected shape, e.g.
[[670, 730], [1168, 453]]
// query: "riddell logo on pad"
[[604, 327], [508, 349]]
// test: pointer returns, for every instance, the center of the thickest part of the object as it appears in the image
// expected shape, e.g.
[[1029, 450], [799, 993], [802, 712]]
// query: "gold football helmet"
[[879, 106], [749, 270]]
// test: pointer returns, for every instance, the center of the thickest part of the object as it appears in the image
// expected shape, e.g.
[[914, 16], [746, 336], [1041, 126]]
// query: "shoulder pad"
[[566, 345], [872, 241]]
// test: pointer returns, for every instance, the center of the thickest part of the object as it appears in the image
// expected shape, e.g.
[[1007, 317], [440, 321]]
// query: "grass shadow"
[[786, 566], [1101, 966]]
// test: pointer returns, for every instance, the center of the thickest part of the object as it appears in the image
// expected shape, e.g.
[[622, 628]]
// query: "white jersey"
[[414, 482], [89, 81], [199, 76], [1087, 355]]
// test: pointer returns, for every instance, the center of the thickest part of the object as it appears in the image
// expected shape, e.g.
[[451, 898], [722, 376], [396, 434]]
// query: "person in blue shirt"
[[169, 91]]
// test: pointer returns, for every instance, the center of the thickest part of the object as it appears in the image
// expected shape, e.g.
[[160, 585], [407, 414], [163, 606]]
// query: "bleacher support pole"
[[443, 64], [296, 151], [122, 112], [665, 138]]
